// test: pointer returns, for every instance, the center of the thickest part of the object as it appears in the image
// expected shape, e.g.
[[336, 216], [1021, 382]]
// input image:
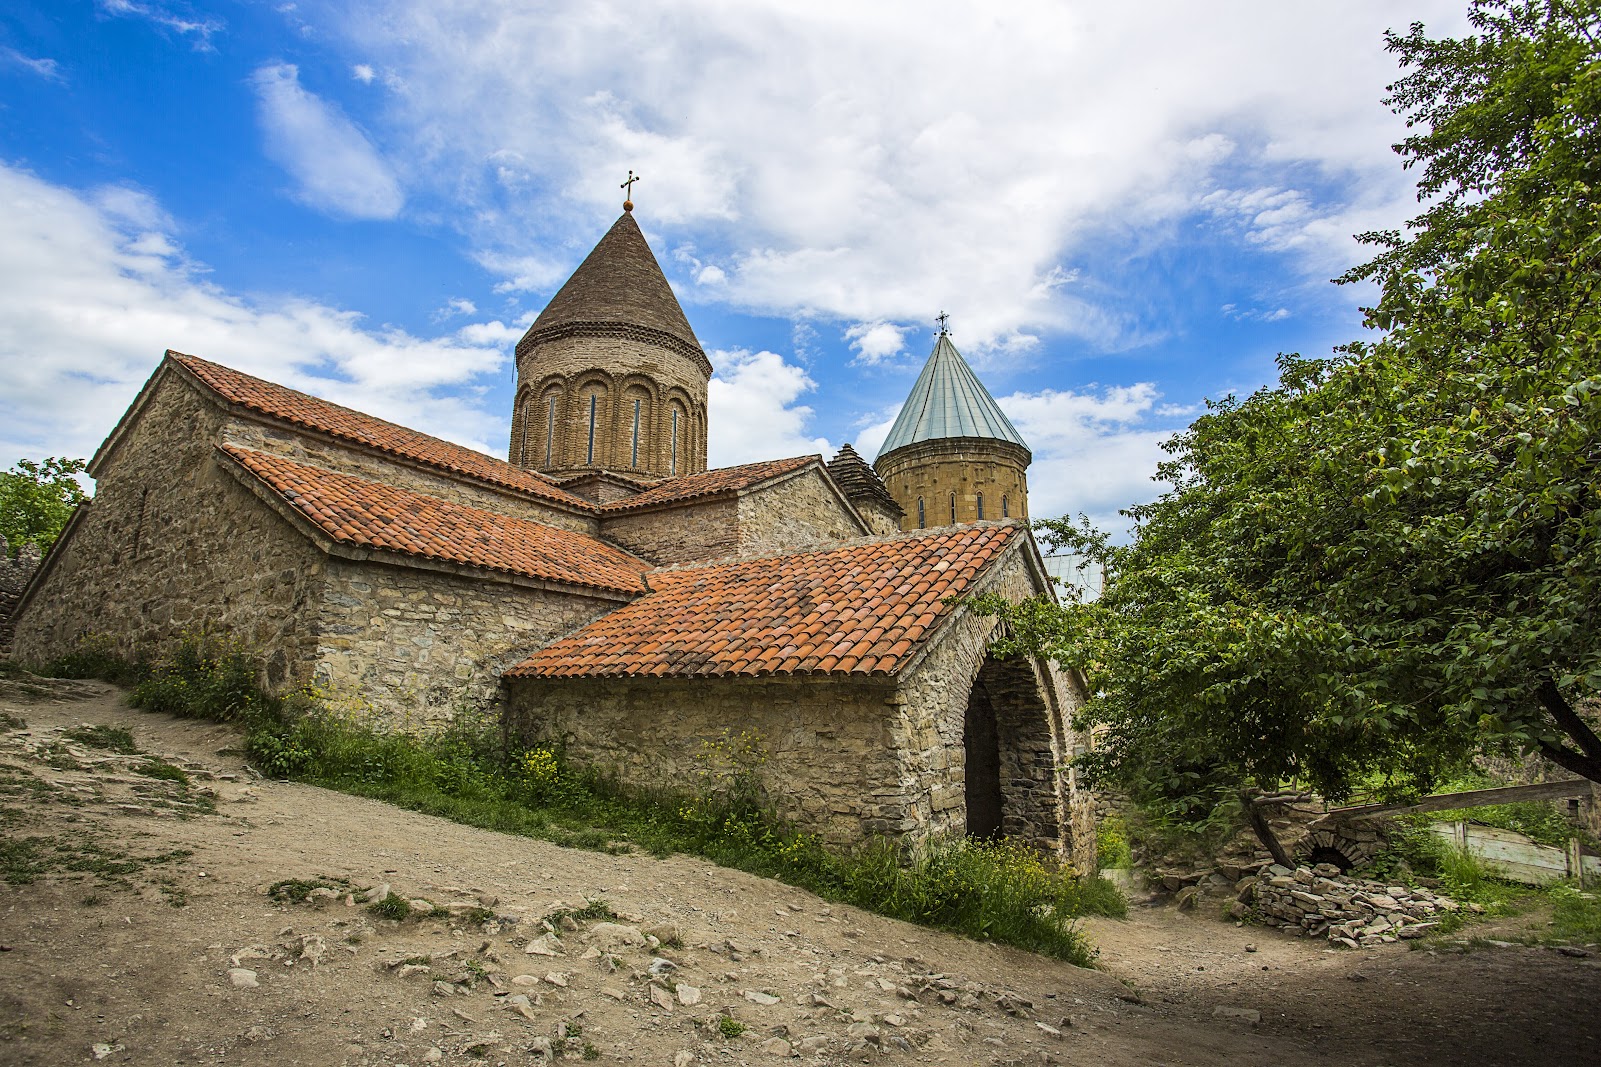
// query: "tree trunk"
[[1257, 813]]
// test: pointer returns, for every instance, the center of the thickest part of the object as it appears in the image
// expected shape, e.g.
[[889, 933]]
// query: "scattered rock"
[[756, 996], [242, 978], [688, 995], [1246, 1015], [777, 1046]]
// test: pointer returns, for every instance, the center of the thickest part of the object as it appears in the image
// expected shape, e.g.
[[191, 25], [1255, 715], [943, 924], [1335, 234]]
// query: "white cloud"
[[363, 73], [336, 168], [858, 180], [1094, 451], [201, 28], [44, 68], [90, 297], [753, 414], [456, 305], [711, 274], [875, 342], [1239, 314]]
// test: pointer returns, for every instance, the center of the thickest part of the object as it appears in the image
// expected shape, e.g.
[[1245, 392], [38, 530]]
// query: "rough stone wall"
[[15, 572], [265, 437], [171, 543], [830, 766], [615, 371], [693, 531], [1034, 737], [964, 468], [413, 645], [881, 520], [798, 512]]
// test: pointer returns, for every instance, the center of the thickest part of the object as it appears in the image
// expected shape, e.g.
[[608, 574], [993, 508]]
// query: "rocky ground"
[[149, 935]]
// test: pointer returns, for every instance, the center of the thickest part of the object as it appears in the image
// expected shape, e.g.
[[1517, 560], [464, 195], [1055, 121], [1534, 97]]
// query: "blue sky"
[[1124, 212]]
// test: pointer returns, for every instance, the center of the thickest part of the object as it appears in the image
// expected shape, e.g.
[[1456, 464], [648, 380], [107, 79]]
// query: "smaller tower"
[[953, 456], [866, 492]]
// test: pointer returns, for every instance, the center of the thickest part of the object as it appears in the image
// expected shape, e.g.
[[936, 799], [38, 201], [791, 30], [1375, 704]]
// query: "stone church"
[[602, 587]]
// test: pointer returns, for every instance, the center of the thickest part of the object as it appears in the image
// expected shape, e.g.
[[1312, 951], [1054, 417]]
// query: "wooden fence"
[[1520, 859]]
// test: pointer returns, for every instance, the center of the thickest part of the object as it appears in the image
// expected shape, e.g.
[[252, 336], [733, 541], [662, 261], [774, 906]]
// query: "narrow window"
[[981, 507], [953, 508], [672, 466], [1006, 506], [589, 458], [633, 459], [550, 430], [922, 517]]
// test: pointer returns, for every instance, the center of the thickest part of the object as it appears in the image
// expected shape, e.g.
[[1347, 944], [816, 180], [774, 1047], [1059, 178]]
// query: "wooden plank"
[[1473, 798], [1508, 854]]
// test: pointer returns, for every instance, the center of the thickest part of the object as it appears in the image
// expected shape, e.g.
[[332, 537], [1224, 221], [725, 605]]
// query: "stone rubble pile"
[[1321, 902]]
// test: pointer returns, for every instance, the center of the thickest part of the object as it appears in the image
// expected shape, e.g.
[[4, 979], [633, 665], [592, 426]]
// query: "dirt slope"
[[232, 976]]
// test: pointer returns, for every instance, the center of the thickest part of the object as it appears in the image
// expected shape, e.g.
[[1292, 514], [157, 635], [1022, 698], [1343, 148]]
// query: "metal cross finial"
[[944, 321], [628, 186]]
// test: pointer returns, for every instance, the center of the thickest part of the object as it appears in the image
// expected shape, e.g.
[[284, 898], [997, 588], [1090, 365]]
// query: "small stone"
[[433, 1055], [242, 978], [522, 1005], [444, 989], [557, 978], [660, 997], [541, 1046], [756, 996], [1047, 1028], [1250, 948], [406, 970], [101, 1050], [683, 1058], [613, 992], [688, 995], [421, 908], [525, 979], [542, 946], [777, 1046], [659, 966], [1573, 951]]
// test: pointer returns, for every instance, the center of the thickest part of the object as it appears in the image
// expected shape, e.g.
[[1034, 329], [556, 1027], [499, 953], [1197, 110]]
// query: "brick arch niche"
[[1007, 741]]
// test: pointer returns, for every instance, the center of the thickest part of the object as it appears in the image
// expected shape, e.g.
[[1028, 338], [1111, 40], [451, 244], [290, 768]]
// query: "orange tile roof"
[[862, 609], [355, 511], [302, 409], [709, 483]]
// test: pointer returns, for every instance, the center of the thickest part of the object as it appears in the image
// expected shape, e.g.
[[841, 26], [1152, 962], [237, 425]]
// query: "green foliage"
[[1576, 916], [730, 1027], [157, 768], [1390, 560], [111, 738], [95, 656], [295, 890], [206, 677], [1536, 820], [37, 499], [1111, 845]]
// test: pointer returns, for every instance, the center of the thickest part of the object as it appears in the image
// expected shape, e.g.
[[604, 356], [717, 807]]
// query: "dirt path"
[[234, 977]]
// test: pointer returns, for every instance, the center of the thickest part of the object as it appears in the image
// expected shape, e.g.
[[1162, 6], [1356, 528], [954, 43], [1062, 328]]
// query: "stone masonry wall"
[[411, 645], [264, 437], [15, 573], [1035, 743], [798, 512], [830, 766], [171, 543], [696, 530], [966, 468]]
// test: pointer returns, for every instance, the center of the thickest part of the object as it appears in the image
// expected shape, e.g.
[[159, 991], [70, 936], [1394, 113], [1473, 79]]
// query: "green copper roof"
[[949, 401]]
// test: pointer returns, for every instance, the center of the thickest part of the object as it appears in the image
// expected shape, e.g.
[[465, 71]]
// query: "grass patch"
[[164, 771], [111, 738], [1001, 892], [394, 906], [296, 890], [730, 1027], [1576, 915]]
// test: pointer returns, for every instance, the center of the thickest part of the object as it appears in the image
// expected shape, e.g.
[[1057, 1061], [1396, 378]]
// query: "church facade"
[[601, 587]]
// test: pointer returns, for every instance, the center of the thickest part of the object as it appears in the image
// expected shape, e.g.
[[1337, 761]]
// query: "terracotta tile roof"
[[861, 609], [355, 511], [299, 408], [710, 483]]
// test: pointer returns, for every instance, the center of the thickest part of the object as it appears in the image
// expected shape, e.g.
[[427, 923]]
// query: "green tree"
[[37, 499], [1390, 560]]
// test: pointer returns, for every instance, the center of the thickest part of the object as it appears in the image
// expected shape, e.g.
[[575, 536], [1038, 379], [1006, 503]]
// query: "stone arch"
[[1344, 846], [542, 428], [677, 453], [1009, 741], [636, 423]]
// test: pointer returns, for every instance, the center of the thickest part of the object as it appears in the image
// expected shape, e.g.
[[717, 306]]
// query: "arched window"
[[1006, 506], [550, 428], [922, 518], [633, 448], [953, 508], [981, 507], [672, 459], [589, 455]]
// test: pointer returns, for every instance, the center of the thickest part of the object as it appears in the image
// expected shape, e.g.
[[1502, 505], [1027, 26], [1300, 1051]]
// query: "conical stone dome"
[[610, 377], [952, 455]]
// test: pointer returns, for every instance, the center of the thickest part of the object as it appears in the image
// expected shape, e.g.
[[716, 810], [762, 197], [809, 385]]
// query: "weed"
[[394, 906], [591, 1052], [730, 1027], [475, 916], [1111, 844], [166, 772], [56, 754], [93, 900], [296, 890], [417, 961], [475, 969], [592, 911], [1576, 915], [110, 738], [96, 656]]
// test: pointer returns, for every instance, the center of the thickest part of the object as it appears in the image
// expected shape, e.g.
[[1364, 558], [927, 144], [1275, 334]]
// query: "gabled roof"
[[861, 610], [365, 514], [710, 483], [302, 409], [618, 285], [859, 481], [948, 400]]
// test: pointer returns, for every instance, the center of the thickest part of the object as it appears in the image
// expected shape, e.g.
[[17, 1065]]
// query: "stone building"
[[603, 588]]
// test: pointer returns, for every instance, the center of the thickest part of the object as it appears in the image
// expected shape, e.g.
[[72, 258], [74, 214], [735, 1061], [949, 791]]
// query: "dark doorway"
[[981, 742]]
